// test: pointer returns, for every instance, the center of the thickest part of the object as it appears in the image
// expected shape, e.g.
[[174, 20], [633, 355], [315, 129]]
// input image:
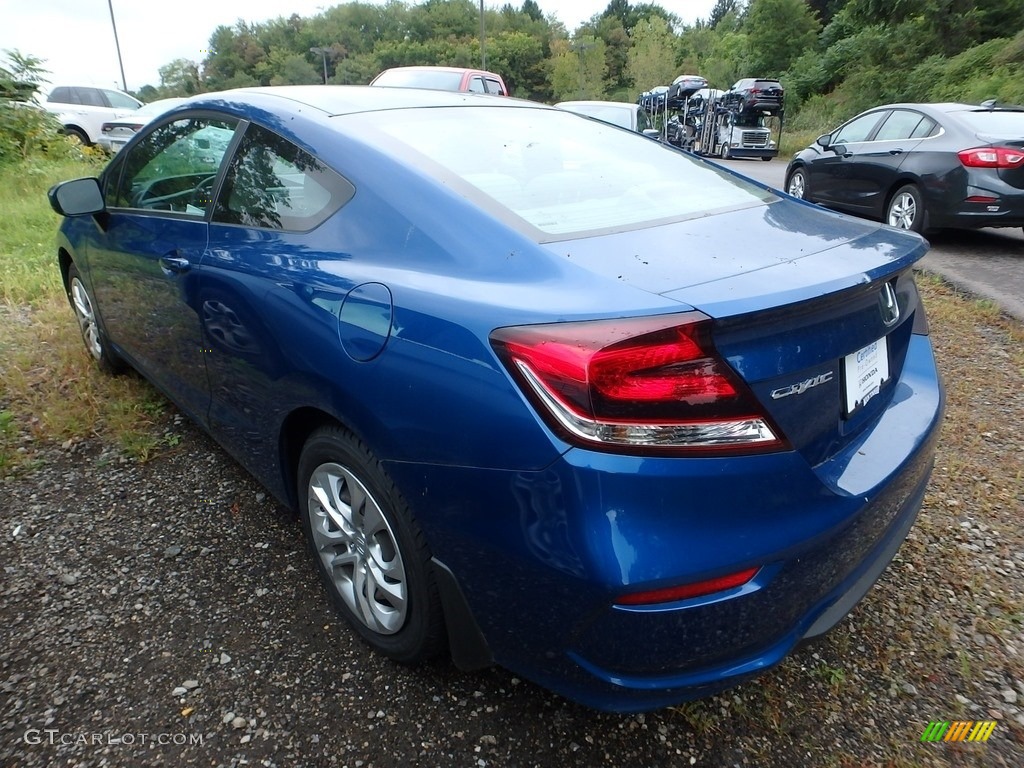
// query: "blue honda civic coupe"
[[544, 393]]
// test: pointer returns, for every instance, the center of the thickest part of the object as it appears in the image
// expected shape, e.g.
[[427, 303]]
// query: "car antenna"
[[989, 104]]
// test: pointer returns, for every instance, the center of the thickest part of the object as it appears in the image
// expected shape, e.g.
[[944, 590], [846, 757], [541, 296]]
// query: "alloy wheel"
[[358, 548], [86, 318]]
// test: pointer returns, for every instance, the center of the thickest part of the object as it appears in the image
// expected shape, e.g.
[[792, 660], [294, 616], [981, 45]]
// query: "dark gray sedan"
[[920, 166]]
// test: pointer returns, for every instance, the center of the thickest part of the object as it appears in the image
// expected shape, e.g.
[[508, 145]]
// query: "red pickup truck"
[[442, 79]]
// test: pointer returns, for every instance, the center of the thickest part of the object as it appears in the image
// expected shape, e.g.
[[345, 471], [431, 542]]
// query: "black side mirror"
[[824, 141], [80, 197]]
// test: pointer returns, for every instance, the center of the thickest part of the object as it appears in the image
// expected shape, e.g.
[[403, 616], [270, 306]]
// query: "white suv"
[[84, 109]]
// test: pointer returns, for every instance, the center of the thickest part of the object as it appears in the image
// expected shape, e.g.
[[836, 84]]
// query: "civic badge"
[[889, 305]]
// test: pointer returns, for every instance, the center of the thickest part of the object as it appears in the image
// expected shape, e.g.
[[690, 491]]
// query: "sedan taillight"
[[650, 384], [992, 157]]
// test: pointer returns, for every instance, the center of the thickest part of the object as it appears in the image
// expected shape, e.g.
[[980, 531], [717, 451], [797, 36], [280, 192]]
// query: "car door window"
[[857, 129], [91, 97], [476, 85], [643, 122], [174, 168], [274, 184], [900, 124], [63, 95], [493, 86], [120, 100]]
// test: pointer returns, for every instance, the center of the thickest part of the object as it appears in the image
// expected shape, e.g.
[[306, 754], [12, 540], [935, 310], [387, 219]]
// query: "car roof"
[[595, 103], [426, 68], [349, 99]]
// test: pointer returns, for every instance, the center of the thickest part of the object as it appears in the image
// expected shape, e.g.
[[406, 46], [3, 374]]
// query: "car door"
[[144, 265], [832, 176], [874, 165], [269, 312]]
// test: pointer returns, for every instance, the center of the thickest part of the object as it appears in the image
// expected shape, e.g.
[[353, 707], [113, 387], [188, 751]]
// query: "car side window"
[[274, 184], [119, 100], [476, 84], [493, 86], [174, 168], [924, 129], [63, 95], [900, 124], [643, 122], [857, 129], [91, 97]]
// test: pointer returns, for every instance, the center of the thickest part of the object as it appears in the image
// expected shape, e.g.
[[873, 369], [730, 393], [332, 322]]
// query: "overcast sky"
[[77, 42]]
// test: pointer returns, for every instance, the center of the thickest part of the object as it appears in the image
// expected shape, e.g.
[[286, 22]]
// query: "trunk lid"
[[806, 304]]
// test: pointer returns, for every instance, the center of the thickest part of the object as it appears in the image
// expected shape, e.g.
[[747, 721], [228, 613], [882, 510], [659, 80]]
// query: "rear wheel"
[[766, 159], [797, 184], [369, 551], [906, 209], [88, 322], [75, 136]]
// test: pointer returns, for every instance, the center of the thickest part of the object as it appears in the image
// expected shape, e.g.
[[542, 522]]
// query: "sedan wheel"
[[906, 209], [369, 551], [88, 323], [797, 186]]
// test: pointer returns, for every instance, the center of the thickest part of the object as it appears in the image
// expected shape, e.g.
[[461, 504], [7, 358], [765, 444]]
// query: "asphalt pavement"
[[988, 263]]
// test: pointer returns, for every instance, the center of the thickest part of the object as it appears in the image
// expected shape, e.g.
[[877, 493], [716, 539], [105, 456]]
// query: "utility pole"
[[483, 50], [117, 45], [323, 52]]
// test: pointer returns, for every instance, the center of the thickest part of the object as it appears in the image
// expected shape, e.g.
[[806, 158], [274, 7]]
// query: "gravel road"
[[167, 614]]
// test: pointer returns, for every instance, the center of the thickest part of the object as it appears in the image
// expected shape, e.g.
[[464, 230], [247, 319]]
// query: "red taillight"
[[686, 591], [649, 383], [992, 157]]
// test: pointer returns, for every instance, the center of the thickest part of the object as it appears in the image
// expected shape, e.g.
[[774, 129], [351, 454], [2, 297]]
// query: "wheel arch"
[[68, 127], [295, 431], [65, 261], [467, 644]]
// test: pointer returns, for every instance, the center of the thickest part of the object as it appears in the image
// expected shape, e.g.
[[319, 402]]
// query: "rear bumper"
[[542, 556]]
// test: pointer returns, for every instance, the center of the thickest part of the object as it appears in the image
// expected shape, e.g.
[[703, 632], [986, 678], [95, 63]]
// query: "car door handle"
[[895, 151], [848, 154], [172, 265]]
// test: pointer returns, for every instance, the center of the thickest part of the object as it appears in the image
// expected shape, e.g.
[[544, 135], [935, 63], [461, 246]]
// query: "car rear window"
[[556, 172], [1002, 123], [405, 78]]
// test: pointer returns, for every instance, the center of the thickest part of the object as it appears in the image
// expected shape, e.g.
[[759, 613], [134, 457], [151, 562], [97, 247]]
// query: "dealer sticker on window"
[[866, 371]]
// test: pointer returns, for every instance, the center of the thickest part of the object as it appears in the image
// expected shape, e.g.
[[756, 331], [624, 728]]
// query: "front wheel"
[[906, 209], [88, 322], [797, 184], [369, 551]]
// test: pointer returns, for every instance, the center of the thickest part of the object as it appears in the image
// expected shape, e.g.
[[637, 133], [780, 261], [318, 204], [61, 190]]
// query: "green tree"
[[179, 78], [651, 60], [578, 69], [778, 32]]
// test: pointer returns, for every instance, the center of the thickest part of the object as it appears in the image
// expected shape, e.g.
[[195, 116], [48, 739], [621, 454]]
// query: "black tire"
[[766, 159], [369, 551], [905, 209], [726, 154], [77, 136], [796, 184], [93, 335]]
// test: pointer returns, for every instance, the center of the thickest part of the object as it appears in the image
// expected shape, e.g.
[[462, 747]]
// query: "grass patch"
[[52, 391]]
